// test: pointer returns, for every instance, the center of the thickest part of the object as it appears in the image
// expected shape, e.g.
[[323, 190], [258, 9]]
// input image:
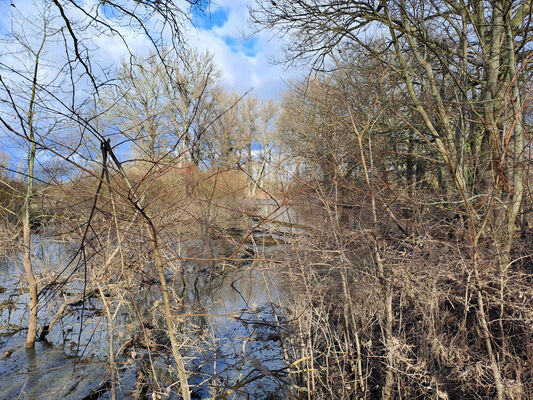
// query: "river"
[[230, 326]]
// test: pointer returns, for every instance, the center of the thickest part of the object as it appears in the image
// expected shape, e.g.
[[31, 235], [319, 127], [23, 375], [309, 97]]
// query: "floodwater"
[[231, 325]]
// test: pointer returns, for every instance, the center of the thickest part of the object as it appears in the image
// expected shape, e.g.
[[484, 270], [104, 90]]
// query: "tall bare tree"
[[22, 93], [159, 114]]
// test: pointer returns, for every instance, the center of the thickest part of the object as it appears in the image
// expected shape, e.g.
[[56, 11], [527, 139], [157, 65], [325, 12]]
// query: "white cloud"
[[242, 67]]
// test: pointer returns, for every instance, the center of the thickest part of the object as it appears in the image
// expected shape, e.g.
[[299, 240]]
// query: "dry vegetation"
[[387, 198]]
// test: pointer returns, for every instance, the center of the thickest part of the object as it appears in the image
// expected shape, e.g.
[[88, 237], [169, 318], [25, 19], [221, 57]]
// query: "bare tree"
[[160, 115], [28, 108]]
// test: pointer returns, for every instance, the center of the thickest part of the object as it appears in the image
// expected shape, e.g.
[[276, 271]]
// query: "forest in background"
[[405, 152]]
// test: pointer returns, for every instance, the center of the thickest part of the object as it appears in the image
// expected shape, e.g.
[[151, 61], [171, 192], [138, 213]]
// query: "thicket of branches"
[[418, 150]]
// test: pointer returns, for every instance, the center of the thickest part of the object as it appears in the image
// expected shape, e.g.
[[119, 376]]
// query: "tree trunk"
[[28, 270], [26, 256]]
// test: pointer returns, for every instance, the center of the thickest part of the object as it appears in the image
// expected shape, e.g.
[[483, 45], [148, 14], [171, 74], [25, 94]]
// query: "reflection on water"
[[226, 325], [246, 338]]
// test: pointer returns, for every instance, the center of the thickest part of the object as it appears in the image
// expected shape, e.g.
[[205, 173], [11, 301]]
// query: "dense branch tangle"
[[458, 75]]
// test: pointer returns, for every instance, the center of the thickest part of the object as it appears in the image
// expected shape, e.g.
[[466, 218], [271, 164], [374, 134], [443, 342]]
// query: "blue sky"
[[209, 19], [214, 21]]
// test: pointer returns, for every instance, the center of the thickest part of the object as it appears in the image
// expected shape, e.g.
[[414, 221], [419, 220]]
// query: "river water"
[[231, 326]]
